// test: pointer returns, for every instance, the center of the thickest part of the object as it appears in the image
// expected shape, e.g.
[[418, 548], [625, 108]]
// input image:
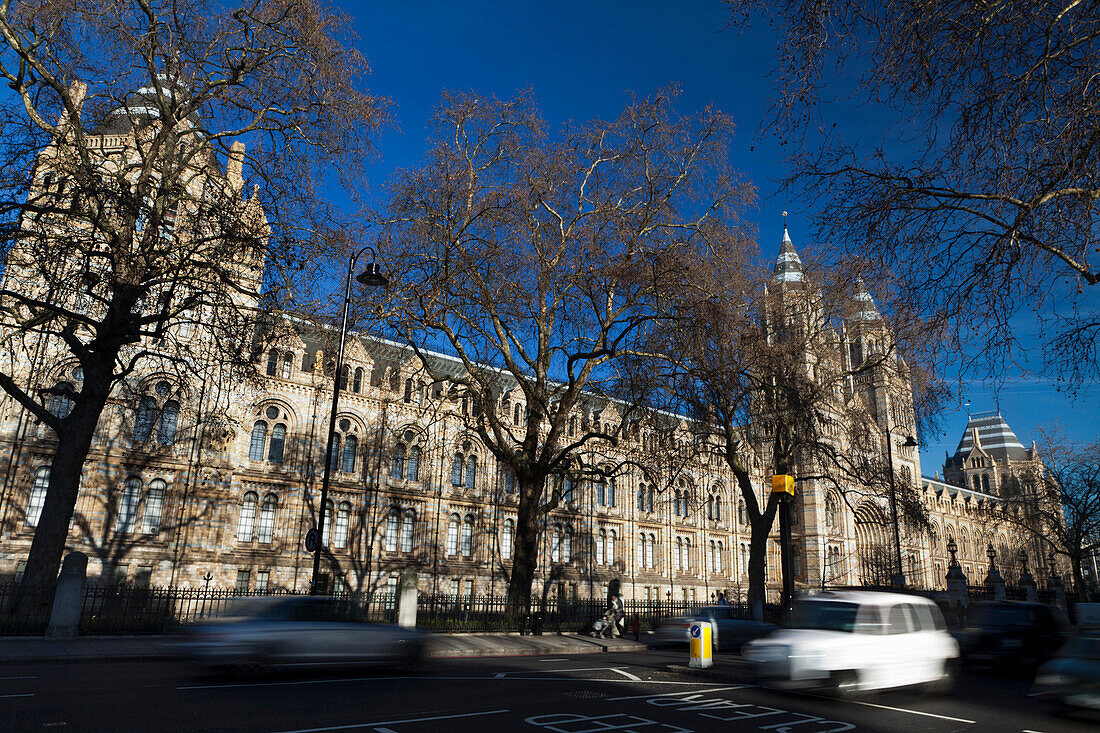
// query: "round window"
[[272, 412], [78, 373], [162, 388], [345, 425], [408, 436]]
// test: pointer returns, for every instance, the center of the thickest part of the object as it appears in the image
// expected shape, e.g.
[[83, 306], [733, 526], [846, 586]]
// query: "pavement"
[[30, 649]]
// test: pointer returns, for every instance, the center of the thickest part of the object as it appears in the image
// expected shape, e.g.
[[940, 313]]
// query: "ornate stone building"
[[202, 476]]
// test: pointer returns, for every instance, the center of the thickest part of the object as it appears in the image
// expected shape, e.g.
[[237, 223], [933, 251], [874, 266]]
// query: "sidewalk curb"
[[712, 673]]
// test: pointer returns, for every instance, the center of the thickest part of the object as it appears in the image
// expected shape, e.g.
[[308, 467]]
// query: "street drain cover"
[[585, 694]]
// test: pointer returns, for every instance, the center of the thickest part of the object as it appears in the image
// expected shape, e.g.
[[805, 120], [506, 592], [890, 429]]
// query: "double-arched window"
[[279, 364], [464, 470], [714, 506], [345, 447], [405, 464], [247, 527], [268, 440], [157, 411]]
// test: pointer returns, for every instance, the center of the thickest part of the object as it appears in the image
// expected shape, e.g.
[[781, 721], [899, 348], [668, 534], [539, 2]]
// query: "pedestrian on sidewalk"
[[635, 626], [617, 616]]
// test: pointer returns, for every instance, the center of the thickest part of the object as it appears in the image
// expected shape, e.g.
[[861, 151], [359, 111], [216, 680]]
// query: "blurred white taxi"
[[857, 641], [297, 631]]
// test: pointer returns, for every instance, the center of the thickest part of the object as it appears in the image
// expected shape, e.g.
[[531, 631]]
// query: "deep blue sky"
[[581, 58]]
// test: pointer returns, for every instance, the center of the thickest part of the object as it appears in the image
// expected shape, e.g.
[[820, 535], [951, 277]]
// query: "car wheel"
[[946, 681], [846, 684]]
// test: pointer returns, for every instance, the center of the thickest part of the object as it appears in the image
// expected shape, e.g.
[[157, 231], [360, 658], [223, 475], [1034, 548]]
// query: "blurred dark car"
[[1073, 677], [259, 633], [1023, 634], [729, 630]]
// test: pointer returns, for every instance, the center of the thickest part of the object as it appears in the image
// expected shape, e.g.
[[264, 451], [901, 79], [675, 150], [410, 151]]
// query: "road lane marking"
[[554, 660], [25, 694], [381, 723], [626, 674], [29, 677], [684, 692], [901, 710]]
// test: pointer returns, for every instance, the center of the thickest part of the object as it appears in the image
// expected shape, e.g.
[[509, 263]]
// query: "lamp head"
[[372, 276], [910, 442], [951, 546], [991, 552]]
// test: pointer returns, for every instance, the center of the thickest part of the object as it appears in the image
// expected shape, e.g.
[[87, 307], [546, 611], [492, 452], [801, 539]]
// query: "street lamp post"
[[898, 580], [371, 277]]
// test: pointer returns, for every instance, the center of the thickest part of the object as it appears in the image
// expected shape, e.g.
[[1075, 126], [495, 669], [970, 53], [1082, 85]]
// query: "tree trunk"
[[73, 443], [525, 548], [758, 555]]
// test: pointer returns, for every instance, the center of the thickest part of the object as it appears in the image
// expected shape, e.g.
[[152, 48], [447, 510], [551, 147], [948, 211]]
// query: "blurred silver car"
[[728, 630], [297, 631]]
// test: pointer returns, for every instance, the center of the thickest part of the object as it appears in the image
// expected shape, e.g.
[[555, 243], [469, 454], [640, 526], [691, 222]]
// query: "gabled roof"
[[864, 308]]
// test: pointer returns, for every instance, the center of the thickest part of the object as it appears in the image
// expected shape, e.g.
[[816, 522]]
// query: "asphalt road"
[[599, 692]]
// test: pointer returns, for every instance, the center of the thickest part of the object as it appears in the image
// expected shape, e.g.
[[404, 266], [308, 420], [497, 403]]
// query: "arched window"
[[452, 535], [259, 439], [397, 469], [985, 482], [128, 502], [611, 547], [326, 535], [832, 516], [567, 545], [392, 523], [408, 523], [676, 556], [710, 556], [471, 472], [340, 535], [741, 512], [601, 541], [456, 470], [649, 499], [509, 481], [272, 362], [288, 365], [611, 492], [676, 503], [641, 497], [601, 493], [169, 420], [717, 508], [412, 470], [650, 551], [468, 536], [977, 483], [146, 417], [507, 537], [345, 374], [351, 445], [60, 402], [718, 559], [515, 414], [38, 496], [567, 490], [710, 507], [334, 456], [357, 384], [744, 559], [247, 518], [555, 544], [267, 518], [408, 391], [154, 507], [278, 442]]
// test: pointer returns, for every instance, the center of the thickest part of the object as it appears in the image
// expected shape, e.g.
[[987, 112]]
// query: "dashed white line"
[[380, 723], [554, 660], [906, 710], [29, 677], [25, 694]]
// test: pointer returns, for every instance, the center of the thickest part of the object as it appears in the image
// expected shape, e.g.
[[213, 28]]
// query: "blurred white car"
[[857, 641], [297, 631], [728, 630]]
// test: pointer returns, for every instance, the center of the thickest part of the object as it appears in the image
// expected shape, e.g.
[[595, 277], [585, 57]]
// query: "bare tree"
[[534, 260], [1057, 503], [984, 205], [131, 241]]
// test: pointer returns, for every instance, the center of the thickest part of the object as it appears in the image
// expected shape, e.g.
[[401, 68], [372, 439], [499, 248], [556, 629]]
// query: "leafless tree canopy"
[[163, 171], [984, 203], [535, 259]]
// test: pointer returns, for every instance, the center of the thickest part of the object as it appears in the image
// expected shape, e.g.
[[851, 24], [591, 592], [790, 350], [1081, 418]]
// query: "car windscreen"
[[826, 615]]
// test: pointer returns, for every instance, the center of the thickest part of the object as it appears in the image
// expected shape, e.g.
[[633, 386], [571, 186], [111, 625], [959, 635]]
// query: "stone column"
[[406, 599], [995, 583], [1027, 582], [958, 596], [68, 599]]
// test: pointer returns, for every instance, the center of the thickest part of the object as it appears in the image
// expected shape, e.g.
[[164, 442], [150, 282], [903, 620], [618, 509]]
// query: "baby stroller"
[[603, 626]]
